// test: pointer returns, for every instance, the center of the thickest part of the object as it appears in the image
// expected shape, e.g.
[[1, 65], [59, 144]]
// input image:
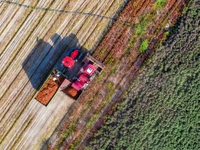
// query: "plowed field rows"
[[33, 36]]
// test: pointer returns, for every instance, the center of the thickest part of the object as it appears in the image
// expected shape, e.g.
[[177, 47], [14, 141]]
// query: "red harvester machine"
[[67, 79]]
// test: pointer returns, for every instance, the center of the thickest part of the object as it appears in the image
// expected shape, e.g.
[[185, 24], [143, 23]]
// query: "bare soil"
[[71, 92], [47, 91]]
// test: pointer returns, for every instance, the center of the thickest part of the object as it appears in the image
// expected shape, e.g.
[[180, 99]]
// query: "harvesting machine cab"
[[68, 61]]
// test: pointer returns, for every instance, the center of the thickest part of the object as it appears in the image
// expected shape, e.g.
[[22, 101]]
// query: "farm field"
[[34, 35], [140, 27], [161, 108]]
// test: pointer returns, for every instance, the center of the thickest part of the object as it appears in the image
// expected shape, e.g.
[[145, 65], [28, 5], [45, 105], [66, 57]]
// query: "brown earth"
[[49, 88], [47, 91], [72, 92]]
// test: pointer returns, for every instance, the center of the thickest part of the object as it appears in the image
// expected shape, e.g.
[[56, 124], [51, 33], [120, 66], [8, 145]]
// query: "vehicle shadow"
[[46, 55]]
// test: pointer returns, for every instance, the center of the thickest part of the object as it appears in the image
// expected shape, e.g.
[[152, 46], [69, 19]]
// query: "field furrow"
[[7, 15]]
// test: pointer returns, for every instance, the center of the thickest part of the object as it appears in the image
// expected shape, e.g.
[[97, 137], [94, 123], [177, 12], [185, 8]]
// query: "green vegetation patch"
[[69, 130], [160, 3], [140, 28], [144, 46]]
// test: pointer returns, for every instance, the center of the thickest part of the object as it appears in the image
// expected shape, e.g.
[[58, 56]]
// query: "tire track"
[[26, 138], [39, 114]]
